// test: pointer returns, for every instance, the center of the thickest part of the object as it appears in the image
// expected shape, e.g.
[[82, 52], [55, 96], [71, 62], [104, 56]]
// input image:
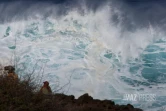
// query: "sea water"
[[87, 53]]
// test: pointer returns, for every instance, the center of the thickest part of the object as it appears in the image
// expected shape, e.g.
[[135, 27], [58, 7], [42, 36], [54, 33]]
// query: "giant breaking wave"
[[98, 56]]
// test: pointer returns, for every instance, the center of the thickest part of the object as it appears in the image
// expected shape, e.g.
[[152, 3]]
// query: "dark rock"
[[85, 98], [87, 103], [130, 106], [108, 102]]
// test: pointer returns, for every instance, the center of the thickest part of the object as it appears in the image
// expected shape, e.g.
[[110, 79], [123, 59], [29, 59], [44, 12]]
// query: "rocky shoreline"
[[87, 103], [23, 95]]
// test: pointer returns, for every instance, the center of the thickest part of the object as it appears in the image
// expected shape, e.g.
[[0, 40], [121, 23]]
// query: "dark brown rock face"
[[84, 99], [87, 103]]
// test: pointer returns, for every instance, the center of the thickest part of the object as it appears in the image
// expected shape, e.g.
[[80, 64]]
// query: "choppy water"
[[92, 52]]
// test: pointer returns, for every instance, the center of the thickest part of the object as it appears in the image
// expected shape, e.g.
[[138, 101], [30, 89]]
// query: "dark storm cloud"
[[22, 9], [133, 13], [95, 4], [54, 1], [140, 13]]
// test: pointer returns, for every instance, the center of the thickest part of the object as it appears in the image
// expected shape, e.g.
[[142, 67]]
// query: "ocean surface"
[[87, 53]]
